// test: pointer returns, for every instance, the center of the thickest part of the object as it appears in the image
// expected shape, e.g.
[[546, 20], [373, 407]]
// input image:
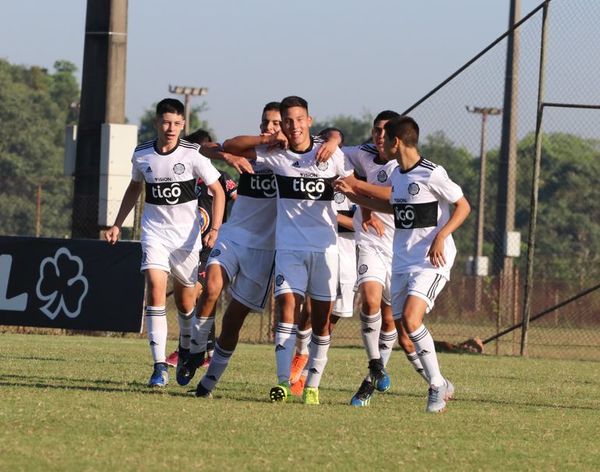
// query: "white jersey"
[[421, 198], [251, 222], [170, 210], [305, 208], [371, 168]]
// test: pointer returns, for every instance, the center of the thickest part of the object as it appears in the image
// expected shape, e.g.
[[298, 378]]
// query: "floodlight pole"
[[187, 93]]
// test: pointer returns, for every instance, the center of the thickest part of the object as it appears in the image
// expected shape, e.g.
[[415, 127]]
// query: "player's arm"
[[245, 145], [371, 220], [344, 185], [129, 198], [217, 210], [334, 138], [214, 152], [345, 221], [459, 215]]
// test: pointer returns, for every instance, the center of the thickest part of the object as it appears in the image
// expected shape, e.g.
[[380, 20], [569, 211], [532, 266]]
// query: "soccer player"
[[205, 200], [306, 239], [423, 248], [170, 225], [243, 258]]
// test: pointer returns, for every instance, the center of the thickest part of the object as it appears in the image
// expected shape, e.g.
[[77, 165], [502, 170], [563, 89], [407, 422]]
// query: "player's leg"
[[421, 290], [156, 324], [290, 287], [303, 334]]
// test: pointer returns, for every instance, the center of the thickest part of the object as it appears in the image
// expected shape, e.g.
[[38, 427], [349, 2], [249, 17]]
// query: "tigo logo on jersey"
[[313, 189], [169, 194], [265, 185]]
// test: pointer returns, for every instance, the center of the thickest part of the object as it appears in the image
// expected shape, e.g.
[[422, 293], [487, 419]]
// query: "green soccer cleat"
[[310, 396], [280, 392]]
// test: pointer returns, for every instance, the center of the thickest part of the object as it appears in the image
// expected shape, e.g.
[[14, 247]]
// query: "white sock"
[[200, 331], [185, 328], [386, 344], [156, 327], [416, 363], [285, 341], [370, 327], [302, 341], [218, 364], [317, 360], [423, 341]]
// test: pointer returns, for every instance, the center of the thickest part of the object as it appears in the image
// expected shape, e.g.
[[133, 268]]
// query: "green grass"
[[80, 403]]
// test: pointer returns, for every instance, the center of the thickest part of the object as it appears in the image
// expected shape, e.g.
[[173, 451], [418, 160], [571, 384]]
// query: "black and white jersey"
[[305, 207], [170, 211], [421, 198], [252, 219], [370, 167]]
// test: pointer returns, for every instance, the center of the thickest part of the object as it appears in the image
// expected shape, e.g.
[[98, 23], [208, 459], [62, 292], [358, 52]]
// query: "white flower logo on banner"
[[62, 284]]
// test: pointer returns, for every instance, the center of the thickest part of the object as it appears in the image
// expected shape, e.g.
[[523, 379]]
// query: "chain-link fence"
[[453, 128]]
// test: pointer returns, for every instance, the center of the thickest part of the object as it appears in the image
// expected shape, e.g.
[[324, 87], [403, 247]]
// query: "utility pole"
[[480, 267], [102, 101], [187, 92]]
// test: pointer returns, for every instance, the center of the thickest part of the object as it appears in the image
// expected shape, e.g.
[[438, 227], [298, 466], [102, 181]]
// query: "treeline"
[[36, 105]]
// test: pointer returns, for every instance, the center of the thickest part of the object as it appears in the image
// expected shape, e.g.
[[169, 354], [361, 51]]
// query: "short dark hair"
[[170, 105], [276, 106], [199, 136], [293, 101], [385, 115], [404, 128]]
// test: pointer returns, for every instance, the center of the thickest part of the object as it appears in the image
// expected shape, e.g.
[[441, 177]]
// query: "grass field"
[[80, 403]]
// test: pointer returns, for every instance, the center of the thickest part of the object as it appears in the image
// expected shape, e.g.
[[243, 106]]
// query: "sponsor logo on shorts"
[[215, 253], [363, 268], [382, 176], [279, 280], [413, 188], [179, 168]]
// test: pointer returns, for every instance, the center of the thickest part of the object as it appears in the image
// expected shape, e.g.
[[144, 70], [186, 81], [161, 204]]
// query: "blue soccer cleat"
[[363, 396], [379, 375], [160, 375]]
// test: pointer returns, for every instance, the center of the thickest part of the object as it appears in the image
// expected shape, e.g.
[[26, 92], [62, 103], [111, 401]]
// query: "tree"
[[356, 130], [37, 105]]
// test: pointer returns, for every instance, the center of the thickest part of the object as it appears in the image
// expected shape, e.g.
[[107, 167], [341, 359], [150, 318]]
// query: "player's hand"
[[343, 186], [241, 164], [112, 234], [436, 252], [276, 141], [374, 222], [211, 238], [325, 151]]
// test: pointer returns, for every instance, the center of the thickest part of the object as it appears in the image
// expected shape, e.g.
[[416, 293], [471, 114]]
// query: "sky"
[[345, 57]]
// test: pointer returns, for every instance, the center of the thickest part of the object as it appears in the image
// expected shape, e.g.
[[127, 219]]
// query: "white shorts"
[[426, 285], [306, 273], [249, 271], [375, 265], [182, 263], [344, 302]]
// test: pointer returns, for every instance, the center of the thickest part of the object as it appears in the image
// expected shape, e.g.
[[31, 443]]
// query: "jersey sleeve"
[[263, 156], [136, 173], [353, 156], [343, 165], [204, 169], [441, 185], [229, 185]]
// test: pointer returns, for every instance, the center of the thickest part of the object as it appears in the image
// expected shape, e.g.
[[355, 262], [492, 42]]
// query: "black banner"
[[171, 193], [71, 284]]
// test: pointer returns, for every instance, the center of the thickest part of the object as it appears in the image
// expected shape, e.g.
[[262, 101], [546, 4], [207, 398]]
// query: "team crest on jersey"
[[413, 188], [215, 253], [179, 168], [363, 268], [382, 176], [322, 166], [339, 197], [279, 280]]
